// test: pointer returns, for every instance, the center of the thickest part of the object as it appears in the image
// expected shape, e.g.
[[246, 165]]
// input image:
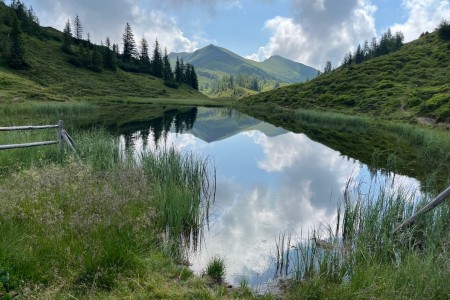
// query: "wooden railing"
[[62, 136]]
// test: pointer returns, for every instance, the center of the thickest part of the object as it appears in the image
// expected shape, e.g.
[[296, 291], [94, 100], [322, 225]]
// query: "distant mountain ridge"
[[213, 62]]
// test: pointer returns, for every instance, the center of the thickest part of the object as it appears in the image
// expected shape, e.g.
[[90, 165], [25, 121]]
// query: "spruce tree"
[[129, 45], [167, 68], [78, 28], [110, 60], [328, 68], [157, 61], [178, 71], [67, 38], [17, 52], [144, 57]]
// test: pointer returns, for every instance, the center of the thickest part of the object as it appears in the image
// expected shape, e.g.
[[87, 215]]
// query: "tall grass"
[[80, 228], [364, 256], [184, 192], [25, 112]]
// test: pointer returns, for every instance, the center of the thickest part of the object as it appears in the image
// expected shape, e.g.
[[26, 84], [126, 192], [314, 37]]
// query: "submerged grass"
[[364, 257], [100, 229]]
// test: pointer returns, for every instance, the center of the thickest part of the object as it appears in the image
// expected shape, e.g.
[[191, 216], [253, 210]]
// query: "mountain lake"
[[270, 182]]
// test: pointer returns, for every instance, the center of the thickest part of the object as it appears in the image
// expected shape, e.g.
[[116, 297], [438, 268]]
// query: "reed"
[[216, 269], [81, 228], [364, 242]]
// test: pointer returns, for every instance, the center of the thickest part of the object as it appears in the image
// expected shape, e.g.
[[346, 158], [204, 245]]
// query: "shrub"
[[216, 269], [444, 30]]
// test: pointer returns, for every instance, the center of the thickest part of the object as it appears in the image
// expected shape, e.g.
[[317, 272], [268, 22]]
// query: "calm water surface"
[[269, 181]]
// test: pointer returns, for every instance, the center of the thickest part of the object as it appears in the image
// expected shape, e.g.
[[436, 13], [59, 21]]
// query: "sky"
[[307, 31]]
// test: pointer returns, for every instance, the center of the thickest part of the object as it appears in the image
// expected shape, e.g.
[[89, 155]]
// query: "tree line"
[[388, 43], [226, 82], [83, 53], [20, 19], [133, 58]]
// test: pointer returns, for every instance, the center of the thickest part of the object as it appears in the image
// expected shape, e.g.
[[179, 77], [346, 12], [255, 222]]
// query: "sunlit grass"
[[81, 228], [364, 256]]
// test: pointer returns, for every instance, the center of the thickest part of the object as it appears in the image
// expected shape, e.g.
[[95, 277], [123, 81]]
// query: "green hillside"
[[213, 63], [412, 82], [51, 76]]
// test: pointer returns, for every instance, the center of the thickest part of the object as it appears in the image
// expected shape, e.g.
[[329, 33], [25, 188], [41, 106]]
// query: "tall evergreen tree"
[[67, 38], [144, 57], [17, 52], [78, 28], [327, 68], [178, 71], [129, 45], [110, 57], [167, 68], [359, 55], [157, 61]]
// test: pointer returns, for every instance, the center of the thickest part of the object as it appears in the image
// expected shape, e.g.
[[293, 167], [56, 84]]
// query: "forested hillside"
[[402, 82], [43, 63]]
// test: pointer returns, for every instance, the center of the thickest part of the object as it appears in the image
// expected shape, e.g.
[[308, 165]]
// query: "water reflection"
[[269, 181]]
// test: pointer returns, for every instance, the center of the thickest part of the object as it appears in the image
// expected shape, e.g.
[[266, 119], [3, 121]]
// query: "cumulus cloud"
[[319, 30], [104, 18], [424, 15]]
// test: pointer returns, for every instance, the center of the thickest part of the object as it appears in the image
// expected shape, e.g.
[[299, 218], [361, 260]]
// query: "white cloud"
[[104, 18], [319, 30], [424, 15]]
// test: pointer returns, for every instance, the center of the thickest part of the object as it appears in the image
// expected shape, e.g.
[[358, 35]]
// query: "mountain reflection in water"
[[269, 181]]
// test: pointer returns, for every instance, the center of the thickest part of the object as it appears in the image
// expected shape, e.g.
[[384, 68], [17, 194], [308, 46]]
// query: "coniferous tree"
[[78, 28], [144, 57], [67, 38], [157, 61], [359, 55], [110, 56], [17, 52], [115, 49], [178, 71], [97, 60], [327, 68], [129, 45], [167, 68], [444, 30]]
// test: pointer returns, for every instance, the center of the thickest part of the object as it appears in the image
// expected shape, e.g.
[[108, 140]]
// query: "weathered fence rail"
[[430, 206], [62, 136]]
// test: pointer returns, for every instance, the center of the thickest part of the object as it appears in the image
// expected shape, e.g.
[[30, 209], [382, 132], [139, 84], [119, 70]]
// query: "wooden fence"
[[62, 137]]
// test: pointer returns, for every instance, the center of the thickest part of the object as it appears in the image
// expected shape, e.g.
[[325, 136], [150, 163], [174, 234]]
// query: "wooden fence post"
[[60, 132]]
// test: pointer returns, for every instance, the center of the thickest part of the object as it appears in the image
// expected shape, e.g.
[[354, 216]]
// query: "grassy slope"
[[51, 77], [402, 85]]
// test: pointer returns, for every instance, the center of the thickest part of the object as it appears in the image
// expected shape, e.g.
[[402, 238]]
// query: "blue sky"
[[307, 31]]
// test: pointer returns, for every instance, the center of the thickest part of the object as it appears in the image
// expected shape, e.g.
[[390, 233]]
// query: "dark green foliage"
[[28, 19], [400, 85], [387, 44], [110, 57], [67, 38], [78, 28], [16, 58], [242, 80], [191, 76], [179, 71], [167, 68], [97, 60], [444, 30], [144, 57], [328, 68], [157, 61], [129, 45]]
